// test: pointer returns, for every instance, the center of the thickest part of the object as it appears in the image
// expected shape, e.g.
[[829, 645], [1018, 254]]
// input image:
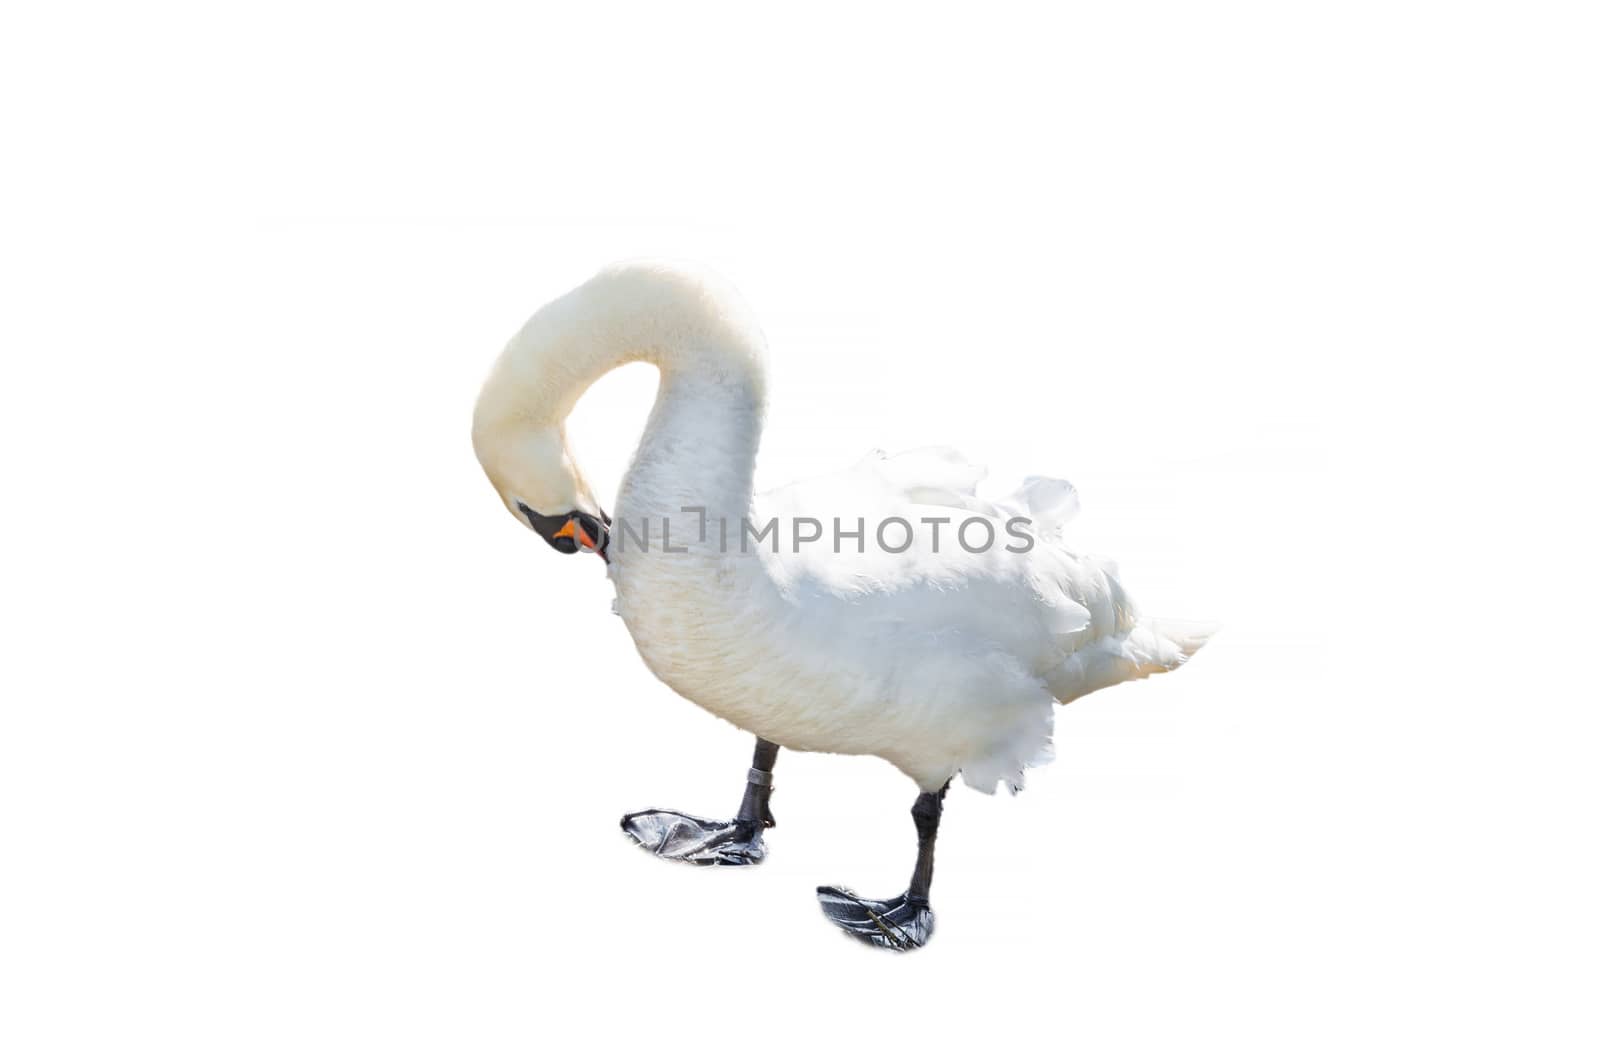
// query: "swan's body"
[[941, 662]]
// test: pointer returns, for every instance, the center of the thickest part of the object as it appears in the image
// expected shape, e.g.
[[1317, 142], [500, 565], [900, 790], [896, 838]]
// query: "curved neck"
[[699, 446]]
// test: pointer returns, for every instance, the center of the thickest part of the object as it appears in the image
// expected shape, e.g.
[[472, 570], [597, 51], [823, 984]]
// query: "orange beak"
[[573, 530]]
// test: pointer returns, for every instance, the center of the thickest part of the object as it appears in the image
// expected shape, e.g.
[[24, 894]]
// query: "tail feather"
[[1154, 646], [1183, 636]]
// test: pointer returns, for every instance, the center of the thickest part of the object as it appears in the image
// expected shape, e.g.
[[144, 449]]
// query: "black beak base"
[[548, 526]]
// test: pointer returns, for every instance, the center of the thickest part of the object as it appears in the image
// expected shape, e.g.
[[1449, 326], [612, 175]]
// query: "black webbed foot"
[[682, 837], [901, 923]]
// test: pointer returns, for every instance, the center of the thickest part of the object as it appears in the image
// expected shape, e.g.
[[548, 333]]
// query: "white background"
[[309, 750]]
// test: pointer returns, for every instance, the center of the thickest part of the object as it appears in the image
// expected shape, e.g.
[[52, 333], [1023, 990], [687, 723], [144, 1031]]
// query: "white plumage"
[[940, 661]]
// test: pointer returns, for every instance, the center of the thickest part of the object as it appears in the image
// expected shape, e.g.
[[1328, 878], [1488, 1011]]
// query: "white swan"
[[941, 660]]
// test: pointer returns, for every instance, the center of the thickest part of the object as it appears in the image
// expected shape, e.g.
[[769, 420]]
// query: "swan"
[[885, 610]]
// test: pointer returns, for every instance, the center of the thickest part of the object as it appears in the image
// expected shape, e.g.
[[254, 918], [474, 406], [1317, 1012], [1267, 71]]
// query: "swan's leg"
[[757, 804], [683, 837], [903, 922]]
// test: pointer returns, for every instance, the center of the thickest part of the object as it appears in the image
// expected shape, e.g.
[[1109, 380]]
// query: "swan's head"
[[540, 485]]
